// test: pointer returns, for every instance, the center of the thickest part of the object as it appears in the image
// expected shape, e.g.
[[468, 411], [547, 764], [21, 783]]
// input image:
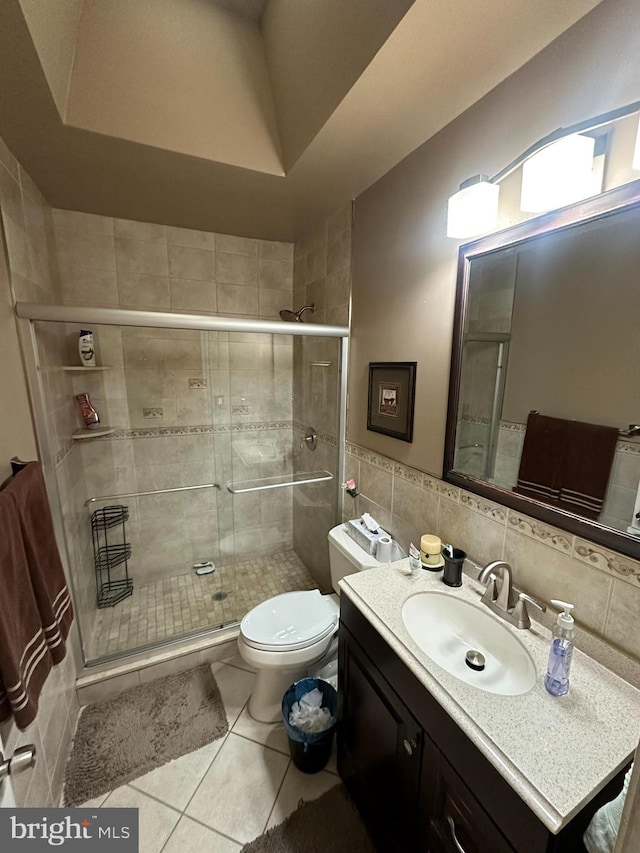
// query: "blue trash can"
[[309, 751]]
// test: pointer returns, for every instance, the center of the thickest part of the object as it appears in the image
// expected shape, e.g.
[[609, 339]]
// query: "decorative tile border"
[[614, 564], [627, 446], [412, 475], [204, 429], [324, 437], [469, 419], [512, 426], [495, 512], [371, 457], [432, 484], [65, 451], [446, 490], [557, 539]]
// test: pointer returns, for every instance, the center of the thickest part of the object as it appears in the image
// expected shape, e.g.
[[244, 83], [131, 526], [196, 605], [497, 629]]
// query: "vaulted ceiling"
[[251, 117]]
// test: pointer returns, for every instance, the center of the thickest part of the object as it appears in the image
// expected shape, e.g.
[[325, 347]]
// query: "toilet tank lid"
[[339, 537]]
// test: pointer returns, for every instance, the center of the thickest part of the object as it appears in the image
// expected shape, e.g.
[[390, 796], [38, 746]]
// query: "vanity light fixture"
[[473, 210], [558, 174], [561, 169], [635, 163]]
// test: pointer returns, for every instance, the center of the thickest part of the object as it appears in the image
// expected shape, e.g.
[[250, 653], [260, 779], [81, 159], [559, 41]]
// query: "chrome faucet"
[[502, 598]]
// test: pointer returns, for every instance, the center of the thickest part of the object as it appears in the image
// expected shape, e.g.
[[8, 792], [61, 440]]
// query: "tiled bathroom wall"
[[548, 562], [321, 276], [27, 238]]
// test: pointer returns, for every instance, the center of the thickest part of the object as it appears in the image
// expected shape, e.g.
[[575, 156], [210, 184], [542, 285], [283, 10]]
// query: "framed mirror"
[[544, 398]]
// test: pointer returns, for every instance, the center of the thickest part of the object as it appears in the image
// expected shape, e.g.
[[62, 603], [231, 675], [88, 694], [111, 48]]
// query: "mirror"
[[547, 345]]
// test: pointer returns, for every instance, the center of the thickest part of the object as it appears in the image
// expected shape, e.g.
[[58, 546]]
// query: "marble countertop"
[[555, 752]]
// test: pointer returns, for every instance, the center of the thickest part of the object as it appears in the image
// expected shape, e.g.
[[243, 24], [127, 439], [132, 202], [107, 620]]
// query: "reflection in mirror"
[[546, 374]]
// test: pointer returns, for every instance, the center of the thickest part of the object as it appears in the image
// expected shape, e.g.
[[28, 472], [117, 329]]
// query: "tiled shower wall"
[[188, 407], [27, 237], [548, 562], [321, 276]]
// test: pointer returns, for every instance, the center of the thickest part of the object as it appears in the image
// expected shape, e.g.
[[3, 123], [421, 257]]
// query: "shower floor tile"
[[178, 605]]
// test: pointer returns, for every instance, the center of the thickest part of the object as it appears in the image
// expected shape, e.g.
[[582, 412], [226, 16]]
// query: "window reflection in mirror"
[[551, 323]]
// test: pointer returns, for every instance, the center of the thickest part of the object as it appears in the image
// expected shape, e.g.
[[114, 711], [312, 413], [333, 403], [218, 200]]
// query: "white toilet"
[[287, 634]]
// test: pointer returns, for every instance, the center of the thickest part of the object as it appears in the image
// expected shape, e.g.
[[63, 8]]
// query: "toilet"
[[284, 637]]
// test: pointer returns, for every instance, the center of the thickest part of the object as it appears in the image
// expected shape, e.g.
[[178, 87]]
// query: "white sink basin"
[[446, 628]]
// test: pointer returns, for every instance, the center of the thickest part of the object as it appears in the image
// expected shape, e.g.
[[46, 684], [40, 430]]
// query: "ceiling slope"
[[441, 58]]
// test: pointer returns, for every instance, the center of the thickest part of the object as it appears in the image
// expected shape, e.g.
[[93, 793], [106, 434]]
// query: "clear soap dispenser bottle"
[[557, 678]]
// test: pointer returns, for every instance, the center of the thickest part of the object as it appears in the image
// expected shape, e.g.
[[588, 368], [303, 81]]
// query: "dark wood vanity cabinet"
[[419, 782]]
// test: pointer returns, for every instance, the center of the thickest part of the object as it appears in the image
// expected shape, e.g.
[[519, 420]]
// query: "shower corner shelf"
[[80, 434], [107, 555], [73, 368]]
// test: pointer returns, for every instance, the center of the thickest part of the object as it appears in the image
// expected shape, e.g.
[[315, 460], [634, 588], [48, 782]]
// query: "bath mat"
[[329, 824], [120, 739]]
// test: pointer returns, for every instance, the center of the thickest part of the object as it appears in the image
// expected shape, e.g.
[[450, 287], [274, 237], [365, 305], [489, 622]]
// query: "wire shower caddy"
[[109, 552]]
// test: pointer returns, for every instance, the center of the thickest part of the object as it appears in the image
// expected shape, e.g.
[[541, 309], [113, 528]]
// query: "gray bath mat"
[[329, 824], [125, 737]]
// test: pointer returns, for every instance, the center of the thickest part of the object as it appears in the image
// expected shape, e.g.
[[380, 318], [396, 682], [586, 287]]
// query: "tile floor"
[[227, 793], [182, 604]]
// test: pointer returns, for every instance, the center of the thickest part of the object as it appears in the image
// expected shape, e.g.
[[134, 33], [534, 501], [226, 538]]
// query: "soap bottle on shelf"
[[557, 678], [89, 414], [86, 348]]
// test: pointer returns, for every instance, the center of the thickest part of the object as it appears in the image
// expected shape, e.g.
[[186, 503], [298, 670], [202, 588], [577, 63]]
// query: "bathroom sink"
[[447, 628]]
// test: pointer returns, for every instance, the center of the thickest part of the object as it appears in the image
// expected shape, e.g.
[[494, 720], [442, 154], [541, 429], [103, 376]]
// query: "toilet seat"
[[290, 621]]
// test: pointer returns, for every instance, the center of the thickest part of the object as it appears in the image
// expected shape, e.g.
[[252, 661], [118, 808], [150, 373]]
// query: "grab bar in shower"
[[278, 482], [155, 492]]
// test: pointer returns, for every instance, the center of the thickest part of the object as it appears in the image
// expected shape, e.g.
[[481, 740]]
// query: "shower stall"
[[214, 474]]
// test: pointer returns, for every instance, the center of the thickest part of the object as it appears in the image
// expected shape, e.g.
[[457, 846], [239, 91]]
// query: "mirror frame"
[[606, 204]]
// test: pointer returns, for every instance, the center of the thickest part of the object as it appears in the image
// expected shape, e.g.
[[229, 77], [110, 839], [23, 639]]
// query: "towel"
[[602, 832], [25, 659], [542, 458], [586, 467], [28, 491]]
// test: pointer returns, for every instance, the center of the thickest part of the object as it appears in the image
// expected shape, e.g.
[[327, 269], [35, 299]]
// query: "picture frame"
[[392, 388]]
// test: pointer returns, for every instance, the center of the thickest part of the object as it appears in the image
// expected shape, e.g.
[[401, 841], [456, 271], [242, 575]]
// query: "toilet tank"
[[346, 556]]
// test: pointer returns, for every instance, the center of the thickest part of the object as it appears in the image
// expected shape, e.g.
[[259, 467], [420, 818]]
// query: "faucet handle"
[[491, 592], [521, 614]]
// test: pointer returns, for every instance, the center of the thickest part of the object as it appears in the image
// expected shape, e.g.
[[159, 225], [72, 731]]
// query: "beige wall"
[[187, 77], [54, 30], [316, 50], [17, 437], [404, 267], [31, 274]]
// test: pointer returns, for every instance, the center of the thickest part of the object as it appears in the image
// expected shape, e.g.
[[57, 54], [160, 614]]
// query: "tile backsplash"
[[548, 562]]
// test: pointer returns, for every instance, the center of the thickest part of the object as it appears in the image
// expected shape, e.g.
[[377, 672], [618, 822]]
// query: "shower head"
[[296, 316]]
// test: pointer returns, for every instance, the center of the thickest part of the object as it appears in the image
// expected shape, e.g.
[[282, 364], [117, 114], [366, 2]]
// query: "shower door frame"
[[28, 313]]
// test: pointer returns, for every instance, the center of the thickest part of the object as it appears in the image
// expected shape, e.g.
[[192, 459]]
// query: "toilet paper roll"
[[384, 549]]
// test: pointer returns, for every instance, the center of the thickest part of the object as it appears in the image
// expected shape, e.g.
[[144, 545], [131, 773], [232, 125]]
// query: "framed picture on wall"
[[392, 388]]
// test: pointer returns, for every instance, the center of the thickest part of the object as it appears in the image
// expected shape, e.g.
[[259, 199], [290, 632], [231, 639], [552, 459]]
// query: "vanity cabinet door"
[[453, 820], [379, 752]]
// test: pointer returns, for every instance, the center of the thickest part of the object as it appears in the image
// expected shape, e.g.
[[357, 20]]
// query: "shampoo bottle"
[[557, 678], [85, 348]]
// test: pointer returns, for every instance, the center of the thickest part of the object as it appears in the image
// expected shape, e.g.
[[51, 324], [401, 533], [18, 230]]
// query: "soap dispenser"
[[557, 678]]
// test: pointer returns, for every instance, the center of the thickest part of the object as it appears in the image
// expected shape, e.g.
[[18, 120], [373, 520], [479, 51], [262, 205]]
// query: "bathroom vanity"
[[436, 764]]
